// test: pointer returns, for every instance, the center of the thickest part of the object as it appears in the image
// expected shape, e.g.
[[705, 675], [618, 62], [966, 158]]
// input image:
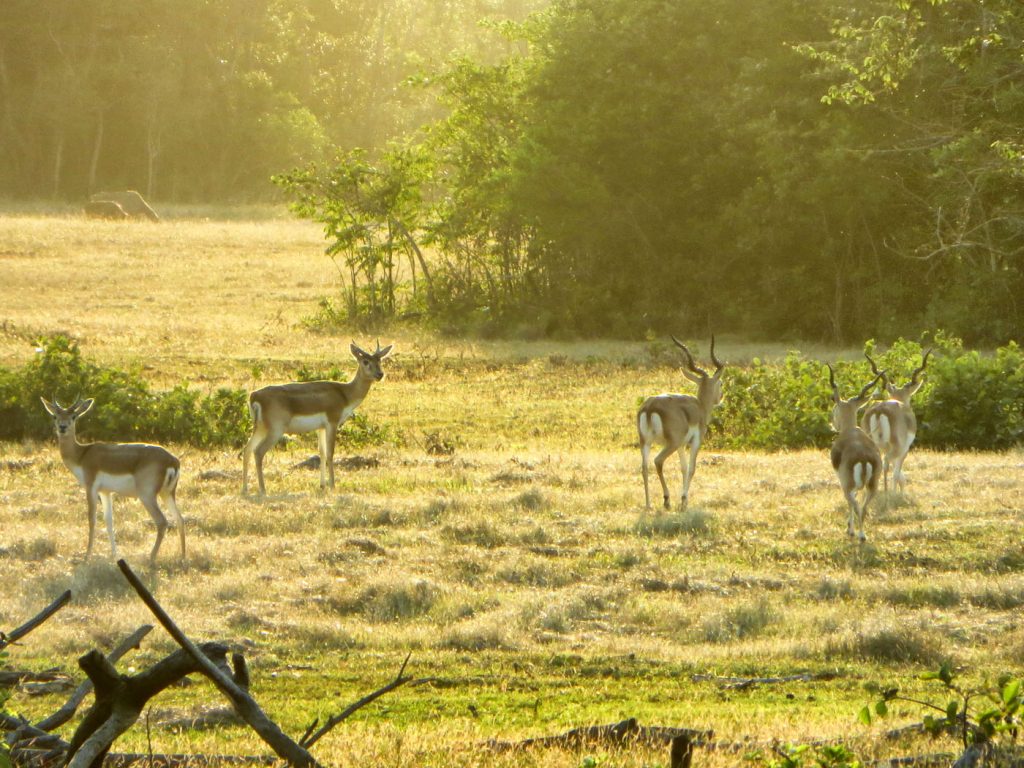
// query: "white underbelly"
[[299, 424], [120, 484]]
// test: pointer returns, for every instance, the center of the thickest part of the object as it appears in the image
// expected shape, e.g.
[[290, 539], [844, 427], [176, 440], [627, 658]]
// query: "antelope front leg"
[[91, 499], [108, 516], [321, 442], [330, 439]]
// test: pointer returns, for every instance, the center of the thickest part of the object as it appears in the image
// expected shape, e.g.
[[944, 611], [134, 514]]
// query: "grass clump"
[[691, 522], [482, 533], [740, 623], [898, 644], [924, 596], [831, 589], [390, 600]]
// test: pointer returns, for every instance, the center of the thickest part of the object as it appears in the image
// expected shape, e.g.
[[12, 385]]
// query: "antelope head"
[[64, 418], [844, 412], [709, 386], [904, 393], [370, 362]]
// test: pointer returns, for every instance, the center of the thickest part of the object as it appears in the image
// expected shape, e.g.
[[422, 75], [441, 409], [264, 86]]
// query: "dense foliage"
[[795, 168], [650, 165], [127, 408], [968, 401], [197, 100]]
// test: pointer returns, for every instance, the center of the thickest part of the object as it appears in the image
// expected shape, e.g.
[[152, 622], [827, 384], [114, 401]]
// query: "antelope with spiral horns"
[[147, 472], [855, 457], [679, 422], [321, 406], [892, 423]]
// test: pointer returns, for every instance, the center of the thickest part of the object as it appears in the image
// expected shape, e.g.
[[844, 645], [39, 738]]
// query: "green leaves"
[[999, 716]]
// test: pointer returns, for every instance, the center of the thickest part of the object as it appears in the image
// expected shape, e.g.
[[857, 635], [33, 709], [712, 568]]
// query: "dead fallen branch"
[[309, 739], [624, 732], [283, 746], [16, 634], [742, 683], [120, 699], [125, 759], [11, 677]]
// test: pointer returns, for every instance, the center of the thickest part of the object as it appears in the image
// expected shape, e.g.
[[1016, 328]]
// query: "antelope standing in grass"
[[147, 472], [855, 457], [679, 422], [892, 423], [321, 406]]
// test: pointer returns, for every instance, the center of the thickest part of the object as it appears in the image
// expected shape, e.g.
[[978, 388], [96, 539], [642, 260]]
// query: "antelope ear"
[[357, 353], [691, 376], [48, 405], [382, 353], [83, 407]]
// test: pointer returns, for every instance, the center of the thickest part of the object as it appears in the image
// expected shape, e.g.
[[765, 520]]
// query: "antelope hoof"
[[667, 504], [862, 537], [682, 503]]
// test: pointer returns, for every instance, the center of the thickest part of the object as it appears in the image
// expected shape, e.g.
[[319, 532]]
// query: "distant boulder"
[[130, 201], [104, 209]]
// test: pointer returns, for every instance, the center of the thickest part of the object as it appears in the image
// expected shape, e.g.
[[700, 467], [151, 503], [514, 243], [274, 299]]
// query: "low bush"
[[127, 409], [968, 401]]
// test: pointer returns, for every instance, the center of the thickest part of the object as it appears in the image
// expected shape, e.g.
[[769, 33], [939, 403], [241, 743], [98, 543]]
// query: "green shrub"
[[126, 409]]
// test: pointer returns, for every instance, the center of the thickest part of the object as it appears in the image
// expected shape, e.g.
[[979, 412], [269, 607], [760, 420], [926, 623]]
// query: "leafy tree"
[[951, 72]]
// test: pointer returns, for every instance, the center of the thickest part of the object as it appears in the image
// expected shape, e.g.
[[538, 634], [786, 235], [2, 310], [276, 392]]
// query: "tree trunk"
[[58, 161], [97, 146]]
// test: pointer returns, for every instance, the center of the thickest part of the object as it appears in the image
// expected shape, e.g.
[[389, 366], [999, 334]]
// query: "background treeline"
[[826, 170], [190, 100], [814, 169], [968, 401]]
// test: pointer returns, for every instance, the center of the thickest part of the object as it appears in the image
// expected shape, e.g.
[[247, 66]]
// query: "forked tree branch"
[[66, 712], [308, 740], [247, 708]]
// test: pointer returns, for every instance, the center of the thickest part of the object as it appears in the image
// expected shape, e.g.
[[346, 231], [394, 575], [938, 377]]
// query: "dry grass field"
[[521, 570]]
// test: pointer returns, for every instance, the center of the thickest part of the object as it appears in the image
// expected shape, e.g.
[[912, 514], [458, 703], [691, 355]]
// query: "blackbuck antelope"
[[321, 406], [892, 423], [855, 457], [679, 421], [147, 472]]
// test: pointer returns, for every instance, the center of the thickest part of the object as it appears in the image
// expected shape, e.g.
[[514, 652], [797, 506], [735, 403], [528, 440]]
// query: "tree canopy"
[[803, 168]]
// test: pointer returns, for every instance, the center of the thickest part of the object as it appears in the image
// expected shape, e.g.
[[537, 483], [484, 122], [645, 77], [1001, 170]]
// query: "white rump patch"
[[868, 471], [170, 479], [650, 427]]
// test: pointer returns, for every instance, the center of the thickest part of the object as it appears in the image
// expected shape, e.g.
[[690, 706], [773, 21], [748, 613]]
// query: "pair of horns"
[[913, 377], [361, 349], [863, 393], [719, 365], [78, 402]]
